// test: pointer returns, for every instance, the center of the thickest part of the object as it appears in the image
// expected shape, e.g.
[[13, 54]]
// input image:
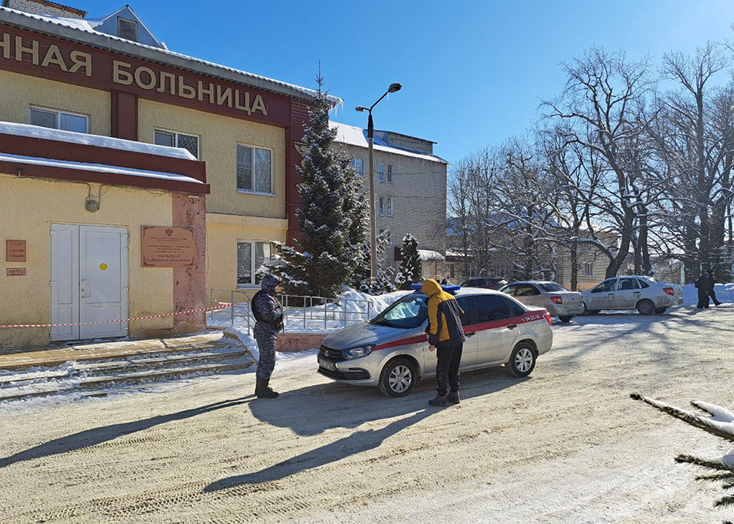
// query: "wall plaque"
[[168, 246], [15, 272], [15, 251]]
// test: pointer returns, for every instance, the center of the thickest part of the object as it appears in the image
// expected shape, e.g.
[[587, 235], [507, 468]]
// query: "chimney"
[[45, 7]]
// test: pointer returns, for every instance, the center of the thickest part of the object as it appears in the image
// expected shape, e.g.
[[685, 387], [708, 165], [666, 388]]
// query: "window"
[[490, 308], [586, 269], [526, 290], [358, 167], [552, 287], [172, 139], [389, 206], [387, 235], [249, 265], [465, 316], [607, 285], [628, 283], [381, 170], [382, 206], [515, 309], [59, 120], [389, 174], [643, 284], [127, 29], [254, 169]]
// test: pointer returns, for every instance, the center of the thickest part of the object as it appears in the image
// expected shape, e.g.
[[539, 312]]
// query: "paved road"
[[566, 445]]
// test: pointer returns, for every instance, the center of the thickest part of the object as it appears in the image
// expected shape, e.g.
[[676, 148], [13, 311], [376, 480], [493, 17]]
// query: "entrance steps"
[[103, 365]]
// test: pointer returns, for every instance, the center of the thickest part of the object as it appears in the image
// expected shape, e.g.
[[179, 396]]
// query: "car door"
[[602, 296], [627, 294], [496, 330], [469, 353]]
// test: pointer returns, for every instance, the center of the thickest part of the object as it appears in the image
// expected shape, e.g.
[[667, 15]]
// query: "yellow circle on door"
[[103, 267]]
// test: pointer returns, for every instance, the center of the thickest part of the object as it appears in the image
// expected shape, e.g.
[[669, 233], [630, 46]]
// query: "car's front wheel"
[[398, 378], [522, 360], [565, 319], [645, 307]]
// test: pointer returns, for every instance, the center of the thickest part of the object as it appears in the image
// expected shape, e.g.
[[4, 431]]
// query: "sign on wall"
[[15, 272], [15, 251], [168, 246]]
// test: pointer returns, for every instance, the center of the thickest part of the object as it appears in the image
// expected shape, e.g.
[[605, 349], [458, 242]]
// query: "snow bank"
[[70, 137], [724, 292]]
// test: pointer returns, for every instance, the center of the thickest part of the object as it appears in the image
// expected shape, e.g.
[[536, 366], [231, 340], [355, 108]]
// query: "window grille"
[[127, 29]]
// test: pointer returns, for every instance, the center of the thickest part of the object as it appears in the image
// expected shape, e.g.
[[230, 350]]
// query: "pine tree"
[[384, 280], [332, 217], [411, 269]]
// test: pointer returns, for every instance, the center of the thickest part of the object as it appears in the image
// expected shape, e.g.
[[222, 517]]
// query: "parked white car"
[[555, 298], [633, 292], [391, 350]]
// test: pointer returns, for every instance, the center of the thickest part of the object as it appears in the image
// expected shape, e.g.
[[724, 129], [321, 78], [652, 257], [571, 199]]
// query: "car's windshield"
[[408, 312], [552, 287]]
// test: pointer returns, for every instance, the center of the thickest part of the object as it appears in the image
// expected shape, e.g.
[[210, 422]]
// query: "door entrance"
[[89, 281]]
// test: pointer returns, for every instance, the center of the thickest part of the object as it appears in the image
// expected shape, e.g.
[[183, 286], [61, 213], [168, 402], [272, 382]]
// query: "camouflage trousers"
[[266, 338]]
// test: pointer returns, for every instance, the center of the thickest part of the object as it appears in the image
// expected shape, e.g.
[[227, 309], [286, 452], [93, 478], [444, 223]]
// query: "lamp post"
[[394, 87]]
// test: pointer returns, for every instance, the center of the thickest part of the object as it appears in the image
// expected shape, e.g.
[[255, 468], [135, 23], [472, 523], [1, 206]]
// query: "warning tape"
[[222, 305]]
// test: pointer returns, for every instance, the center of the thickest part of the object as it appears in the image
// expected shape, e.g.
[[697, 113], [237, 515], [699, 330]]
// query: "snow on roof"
[[356, 136], [72, 28], [97, 168], [70, 137], [426, 255]]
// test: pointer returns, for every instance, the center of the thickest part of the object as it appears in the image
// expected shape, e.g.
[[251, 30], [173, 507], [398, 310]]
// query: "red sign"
[[15, 272], [15, 251]]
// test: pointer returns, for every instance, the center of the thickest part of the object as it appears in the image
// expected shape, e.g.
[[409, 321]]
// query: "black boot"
[[453, 397], [263, 391], [439, 401]]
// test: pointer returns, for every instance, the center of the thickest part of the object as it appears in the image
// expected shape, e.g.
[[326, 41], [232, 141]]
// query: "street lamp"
[[394, 87]]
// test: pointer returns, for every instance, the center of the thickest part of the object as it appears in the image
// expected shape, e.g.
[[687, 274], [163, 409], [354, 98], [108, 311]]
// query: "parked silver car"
[[555, 298], [391, 350], [633, 292]]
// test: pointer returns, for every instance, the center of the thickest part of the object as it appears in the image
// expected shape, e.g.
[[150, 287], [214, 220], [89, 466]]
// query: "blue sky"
[[473, 72]]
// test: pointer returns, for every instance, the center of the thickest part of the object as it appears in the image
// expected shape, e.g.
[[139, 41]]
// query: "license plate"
[[327, 365]]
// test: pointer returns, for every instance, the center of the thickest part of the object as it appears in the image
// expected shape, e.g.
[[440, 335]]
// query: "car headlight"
[[361, 351]]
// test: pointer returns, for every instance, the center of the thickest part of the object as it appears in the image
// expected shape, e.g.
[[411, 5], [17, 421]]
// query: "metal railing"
[[301, 314]]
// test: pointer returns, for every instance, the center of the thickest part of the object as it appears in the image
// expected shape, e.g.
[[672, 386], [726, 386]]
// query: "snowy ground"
[[566, 445]]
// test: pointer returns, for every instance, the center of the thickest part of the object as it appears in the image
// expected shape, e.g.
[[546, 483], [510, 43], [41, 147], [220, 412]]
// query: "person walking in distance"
[[711, 291], [446, 336], [702, 285], [269, 315]]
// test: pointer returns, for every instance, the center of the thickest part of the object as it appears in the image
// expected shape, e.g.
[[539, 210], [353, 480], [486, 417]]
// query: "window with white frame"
[[389, 207], [382, 206], [254, 169], [381, 171], [59, 120], [172, 139], [358, 167], [389, 174], [250, 259], [586, 269]]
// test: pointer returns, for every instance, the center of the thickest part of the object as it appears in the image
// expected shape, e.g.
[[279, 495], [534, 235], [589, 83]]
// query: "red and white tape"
[[222, 305]]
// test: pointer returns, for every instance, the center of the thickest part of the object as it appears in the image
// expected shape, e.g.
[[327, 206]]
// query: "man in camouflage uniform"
[[269, 315]]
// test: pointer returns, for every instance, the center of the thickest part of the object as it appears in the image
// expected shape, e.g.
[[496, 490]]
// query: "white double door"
[[89, 281]]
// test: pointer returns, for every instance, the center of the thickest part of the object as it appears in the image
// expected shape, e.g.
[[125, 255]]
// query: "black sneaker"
[[438, 401], [453, 397]]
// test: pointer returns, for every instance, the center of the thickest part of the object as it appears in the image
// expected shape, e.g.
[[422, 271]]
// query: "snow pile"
[[351, 307], [70, 137], [724, 292]]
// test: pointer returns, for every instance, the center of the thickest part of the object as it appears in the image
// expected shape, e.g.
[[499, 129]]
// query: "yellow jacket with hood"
[[444, 315]]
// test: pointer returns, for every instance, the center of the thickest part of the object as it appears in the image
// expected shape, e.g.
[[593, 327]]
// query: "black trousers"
[[712, 294], [703, 301], [447, 368]]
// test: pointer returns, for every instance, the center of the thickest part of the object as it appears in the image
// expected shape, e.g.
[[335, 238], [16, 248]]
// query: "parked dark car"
[[486, 282]]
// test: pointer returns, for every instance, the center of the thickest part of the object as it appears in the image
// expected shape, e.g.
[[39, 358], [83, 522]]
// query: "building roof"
[[83, 31], [356, 136], [62, 7]]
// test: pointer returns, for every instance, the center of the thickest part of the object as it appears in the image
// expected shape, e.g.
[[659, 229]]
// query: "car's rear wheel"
[[398, 378], [565, 319], [645, 307], [661, 310], [522, 360]]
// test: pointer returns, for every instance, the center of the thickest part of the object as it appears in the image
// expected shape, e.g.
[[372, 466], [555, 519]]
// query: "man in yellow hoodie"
[[445, 335]]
